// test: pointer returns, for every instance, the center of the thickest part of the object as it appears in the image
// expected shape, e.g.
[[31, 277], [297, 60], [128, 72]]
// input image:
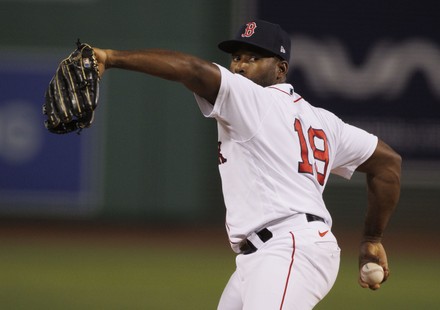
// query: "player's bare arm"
[[383, 170], [198, 75]]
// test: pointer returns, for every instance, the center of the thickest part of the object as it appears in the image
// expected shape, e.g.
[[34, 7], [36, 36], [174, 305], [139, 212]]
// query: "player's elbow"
[[393, 169], [396, 162], [386, 172], [204, 80]]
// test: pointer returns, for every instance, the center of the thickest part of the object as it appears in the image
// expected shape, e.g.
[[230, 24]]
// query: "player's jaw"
[[259, 68], [263, 80]]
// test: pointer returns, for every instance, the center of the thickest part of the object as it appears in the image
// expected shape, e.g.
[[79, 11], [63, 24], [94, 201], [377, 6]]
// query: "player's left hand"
[[72, 94], [373, 252], [101, 57]]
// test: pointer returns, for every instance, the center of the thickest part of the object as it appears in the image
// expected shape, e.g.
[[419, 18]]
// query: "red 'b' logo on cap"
[[249, 31]]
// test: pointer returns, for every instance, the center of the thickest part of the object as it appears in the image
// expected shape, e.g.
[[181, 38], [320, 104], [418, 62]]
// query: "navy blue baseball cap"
[[263, 35]]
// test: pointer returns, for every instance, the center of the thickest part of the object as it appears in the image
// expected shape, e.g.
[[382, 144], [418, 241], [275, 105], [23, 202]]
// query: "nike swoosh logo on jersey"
[[322, 234]]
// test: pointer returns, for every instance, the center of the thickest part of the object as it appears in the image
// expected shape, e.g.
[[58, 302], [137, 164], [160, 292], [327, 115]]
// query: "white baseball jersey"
[[276, 152]]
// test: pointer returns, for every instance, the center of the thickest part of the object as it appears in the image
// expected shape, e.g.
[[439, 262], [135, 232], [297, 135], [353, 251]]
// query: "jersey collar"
[[285, 88]]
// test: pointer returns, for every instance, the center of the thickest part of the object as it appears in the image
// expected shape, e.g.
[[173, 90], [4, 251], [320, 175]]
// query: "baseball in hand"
[[372, 273]]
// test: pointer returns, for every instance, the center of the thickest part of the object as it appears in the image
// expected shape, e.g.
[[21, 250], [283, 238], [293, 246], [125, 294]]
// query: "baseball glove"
[[72, 95]]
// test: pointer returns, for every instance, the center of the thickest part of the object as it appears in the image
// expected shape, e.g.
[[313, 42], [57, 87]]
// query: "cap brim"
[[231, 46]]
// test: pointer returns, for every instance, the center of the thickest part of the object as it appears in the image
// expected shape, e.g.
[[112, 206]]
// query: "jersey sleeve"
[[240, 105], [355, 147]]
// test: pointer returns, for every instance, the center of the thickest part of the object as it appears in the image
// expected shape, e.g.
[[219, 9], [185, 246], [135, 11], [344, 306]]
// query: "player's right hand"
[[373, 252]]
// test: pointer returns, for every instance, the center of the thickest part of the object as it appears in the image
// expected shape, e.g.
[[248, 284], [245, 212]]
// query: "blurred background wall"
[[151, 156]]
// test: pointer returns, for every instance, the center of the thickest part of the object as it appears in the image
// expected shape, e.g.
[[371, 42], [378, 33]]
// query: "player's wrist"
[[372, 232], [109, 59], [371, 238]]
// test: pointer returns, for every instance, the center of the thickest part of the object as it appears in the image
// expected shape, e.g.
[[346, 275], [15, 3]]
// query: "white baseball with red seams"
[[274, 147], [372, 273]]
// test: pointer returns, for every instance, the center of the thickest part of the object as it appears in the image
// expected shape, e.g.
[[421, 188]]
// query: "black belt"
[[314, 218], [246, 247]]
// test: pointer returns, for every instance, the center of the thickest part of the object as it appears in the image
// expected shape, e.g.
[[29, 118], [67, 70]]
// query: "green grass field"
[[61, 272]]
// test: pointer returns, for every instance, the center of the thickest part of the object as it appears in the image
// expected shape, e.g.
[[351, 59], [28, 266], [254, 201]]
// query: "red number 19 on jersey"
[[317, 143]]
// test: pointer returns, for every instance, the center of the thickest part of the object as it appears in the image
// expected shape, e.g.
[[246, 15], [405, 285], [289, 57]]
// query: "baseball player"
[[275, 154]]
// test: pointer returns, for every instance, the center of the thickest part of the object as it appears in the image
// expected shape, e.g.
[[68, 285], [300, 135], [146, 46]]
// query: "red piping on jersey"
[[290, 270], [296, 100], [279, 90]]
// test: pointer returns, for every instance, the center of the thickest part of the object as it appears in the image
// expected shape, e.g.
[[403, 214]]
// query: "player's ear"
[[283, 67]]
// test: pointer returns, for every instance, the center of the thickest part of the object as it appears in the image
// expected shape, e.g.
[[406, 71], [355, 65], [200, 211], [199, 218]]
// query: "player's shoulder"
[[317, 117], [305, 105]]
